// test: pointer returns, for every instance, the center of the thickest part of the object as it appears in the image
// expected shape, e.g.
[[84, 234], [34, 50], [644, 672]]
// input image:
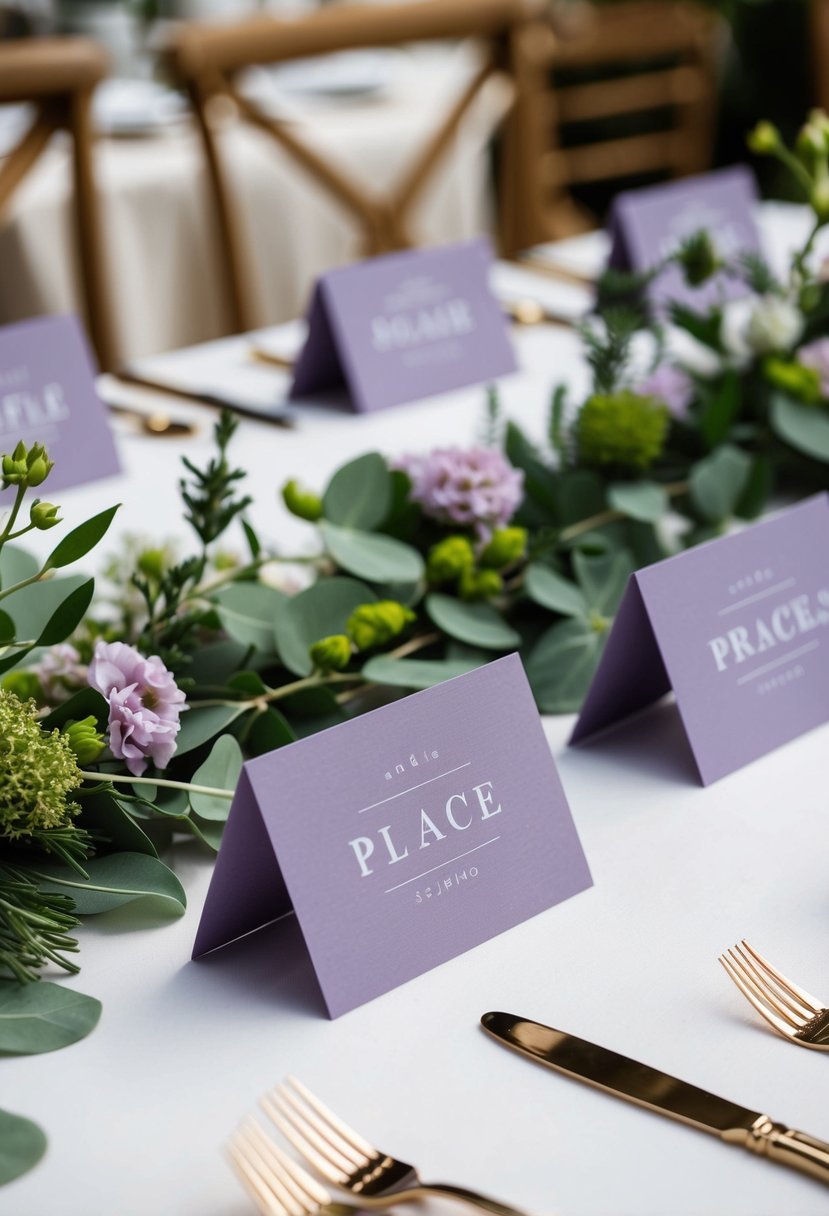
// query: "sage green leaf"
[[477, 623], [113, 880], [68, 615], [562, 663], [758, 487], [80, 540], [16, 564], [221, 771], [215, 664], [539, 479], [22, 1144], [413, 673], [108, 819], [803, 427], [718, 481], [208, 831], [43, 1017], [359, 495], [82, 704], [642, 500], [720, 409], [317, 612], [311, 710], [31, 607], [248, 682], [372, 556], [553, 591], [7, 629], [579, 494], [603, 578], [200, 725], [247, 612], [269, 731]]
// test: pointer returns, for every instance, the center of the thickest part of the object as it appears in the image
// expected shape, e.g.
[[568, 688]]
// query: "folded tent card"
[[48, 396], [402, 327], [401, 838], [738, 628], [647, 225]]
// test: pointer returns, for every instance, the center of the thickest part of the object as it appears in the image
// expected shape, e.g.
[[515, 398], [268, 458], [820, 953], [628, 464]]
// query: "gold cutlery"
[[281, 415], [273, 358], [788, 1009], [278, 1185], [156, 422], [350, 1162], [645, 1086]]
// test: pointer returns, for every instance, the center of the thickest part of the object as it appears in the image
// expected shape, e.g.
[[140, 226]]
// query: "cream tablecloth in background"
[[158, 227]]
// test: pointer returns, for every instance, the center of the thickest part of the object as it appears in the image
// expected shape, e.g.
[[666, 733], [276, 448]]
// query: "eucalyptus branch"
[[162, 782], [24, 582], [674, 490]]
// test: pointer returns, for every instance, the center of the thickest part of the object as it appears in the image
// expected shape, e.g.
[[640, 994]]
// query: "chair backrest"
[[611, 68], [819, 38], [206, 59], [58, 76]]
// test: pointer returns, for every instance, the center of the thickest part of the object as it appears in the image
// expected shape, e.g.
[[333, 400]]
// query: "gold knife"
[[656, 1090]]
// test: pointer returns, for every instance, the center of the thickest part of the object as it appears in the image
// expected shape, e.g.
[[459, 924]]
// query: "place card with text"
[[401, 838], [649, 224], [47, 395], [404, 326], [739, 629]]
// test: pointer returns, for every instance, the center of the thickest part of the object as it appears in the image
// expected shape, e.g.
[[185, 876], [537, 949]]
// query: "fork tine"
[[778, 999], [257, 1146], [347, 1133], [318, 1153], [294, 1178], [762, 989], [773, 1020], [296, 1101], [250, 1179], [811, 1003]]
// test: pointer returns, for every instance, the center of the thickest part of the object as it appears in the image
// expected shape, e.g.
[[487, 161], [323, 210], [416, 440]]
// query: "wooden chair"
[[58, 76], [819, 37], [613, 66], [206, 60]]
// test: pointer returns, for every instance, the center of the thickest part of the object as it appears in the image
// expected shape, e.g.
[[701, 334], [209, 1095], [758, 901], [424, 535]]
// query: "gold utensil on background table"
[[350, 1162], [616, 1074], [791, 1011], [278, 1185], [155, 422]]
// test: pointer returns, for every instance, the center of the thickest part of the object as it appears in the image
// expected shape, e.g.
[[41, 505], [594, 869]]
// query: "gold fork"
[[348, 1161], [278, 1185], [791, 1011]]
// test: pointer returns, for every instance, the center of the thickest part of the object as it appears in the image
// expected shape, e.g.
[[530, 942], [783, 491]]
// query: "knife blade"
[[639, 1083]]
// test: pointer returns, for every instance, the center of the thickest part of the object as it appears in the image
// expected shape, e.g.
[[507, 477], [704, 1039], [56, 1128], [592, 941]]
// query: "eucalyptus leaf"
[[476, 623], [84, 703], [22, 1144], [7, 629], [562, 663], [372, 556], [804, 427], [208, 831], [579, 494], [553, 591], [603, 578], [111, 822], [642, 500], [68, 615], [269, 731], [414, 673], [319, 611], [359, 495], [43, 1017], [113, 880], [16, 564], [80, 540], [220, 770], [31, 607], [720, 409], [248, 611], [200, 725], [216, 662], [718, 481]]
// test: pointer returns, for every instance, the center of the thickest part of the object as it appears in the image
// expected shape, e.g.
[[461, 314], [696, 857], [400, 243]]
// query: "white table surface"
[[137, 1113]]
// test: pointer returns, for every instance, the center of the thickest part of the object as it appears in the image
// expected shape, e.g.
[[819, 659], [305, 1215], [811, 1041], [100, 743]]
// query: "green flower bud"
[[44, 515], [480, 584], [303, 503], [505, 546], [448, 559], [84, 739], [332, 653], [764, 139], [794, 378], [698, 258], [375, 624], [151, 563], [819, 199], [14, 471], [38, 471], [811, 144], [26, 468], [599, 623], [24, 684], [622, 429]]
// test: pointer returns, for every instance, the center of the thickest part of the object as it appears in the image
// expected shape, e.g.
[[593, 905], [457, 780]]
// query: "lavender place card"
[[403, 327], [401, 838], [47, 395], [647, 225], [738, 628]]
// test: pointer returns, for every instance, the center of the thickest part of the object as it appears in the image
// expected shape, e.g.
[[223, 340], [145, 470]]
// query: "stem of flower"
[[163, 782], [24, 582], [673, 490], [16, 505], [413, 644]]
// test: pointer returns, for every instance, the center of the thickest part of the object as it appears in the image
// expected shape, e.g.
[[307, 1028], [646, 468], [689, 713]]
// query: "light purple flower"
[[473, 487], [816, 355], [669, 384], [144, 704], [60, 672]]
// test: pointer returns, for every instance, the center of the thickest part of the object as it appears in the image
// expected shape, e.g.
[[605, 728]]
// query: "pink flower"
[[816, 355], [671, 385], [144, 704], [60, 672], [474, 487]]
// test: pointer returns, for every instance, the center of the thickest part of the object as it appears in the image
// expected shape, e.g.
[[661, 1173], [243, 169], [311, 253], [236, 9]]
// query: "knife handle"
[[789, 1147]]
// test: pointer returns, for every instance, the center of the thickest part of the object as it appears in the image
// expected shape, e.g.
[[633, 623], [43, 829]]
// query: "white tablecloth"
[[165, 279], [139, 1111]]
